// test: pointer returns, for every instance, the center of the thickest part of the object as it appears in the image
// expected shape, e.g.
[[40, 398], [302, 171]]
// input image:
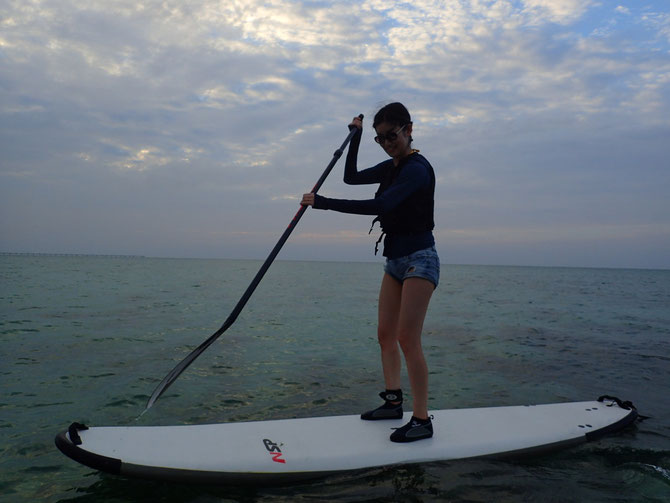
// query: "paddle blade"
[[179, 368]]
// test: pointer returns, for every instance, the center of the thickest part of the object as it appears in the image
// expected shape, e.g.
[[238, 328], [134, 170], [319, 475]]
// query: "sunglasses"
[[382, 138]]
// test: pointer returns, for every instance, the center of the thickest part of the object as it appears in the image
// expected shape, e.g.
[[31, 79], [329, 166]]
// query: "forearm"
[[356, 207], [350, 166], [351, 174]]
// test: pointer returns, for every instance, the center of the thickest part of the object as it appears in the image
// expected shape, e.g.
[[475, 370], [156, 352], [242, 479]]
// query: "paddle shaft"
[[183, 365]]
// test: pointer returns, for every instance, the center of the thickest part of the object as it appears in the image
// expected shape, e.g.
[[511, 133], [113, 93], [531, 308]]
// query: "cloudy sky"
[[190, 128]]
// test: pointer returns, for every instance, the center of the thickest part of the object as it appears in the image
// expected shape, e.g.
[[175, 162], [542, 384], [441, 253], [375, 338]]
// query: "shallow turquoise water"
[[88, 339]]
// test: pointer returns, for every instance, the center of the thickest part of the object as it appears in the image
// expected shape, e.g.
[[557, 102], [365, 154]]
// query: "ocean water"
[[88, 338]]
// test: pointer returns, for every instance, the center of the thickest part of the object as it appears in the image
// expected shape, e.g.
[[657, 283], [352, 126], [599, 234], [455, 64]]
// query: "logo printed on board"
[[274, 451]]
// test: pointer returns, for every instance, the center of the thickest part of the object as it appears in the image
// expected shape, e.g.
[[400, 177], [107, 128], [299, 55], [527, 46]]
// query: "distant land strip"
[[29, 254]]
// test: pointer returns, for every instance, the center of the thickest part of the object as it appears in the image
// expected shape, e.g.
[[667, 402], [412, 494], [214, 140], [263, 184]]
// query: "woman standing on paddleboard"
[[403, 205]]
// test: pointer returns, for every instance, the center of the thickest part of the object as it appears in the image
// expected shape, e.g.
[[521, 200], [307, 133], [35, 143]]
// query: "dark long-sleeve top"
[[413, 176]]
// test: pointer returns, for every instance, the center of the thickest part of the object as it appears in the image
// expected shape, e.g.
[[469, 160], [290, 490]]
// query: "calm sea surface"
[[88, 339]]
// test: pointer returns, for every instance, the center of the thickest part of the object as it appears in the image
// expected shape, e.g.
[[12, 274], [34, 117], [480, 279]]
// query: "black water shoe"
[[416, 429], [389, 410]]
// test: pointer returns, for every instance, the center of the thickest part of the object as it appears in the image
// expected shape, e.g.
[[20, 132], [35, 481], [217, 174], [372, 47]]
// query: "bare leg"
[[416, 294], [390, 297]]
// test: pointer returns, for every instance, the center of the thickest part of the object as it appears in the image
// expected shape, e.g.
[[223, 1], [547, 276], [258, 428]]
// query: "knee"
[[410, 345], [386, 338]]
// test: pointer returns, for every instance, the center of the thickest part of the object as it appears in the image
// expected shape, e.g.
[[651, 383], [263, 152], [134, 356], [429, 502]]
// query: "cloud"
[[556, 11], [212, 113]]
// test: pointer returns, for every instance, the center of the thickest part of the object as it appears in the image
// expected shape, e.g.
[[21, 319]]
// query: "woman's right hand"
[[357, 122]]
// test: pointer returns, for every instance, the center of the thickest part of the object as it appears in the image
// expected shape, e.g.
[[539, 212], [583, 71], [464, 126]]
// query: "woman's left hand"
[[308, 199]]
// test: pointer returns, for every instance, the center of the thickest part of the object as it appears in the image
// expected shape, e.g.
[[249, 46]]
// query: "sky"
[[169, 128]]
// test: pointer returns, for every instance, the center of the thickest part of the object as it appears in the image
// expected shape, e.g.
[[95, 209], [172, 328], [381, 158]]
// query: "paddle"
[[181, 366]]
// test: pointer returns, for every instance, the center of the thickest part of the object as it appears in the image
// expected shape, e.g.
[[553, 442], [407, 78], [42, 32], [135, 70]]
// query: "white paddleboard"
[[287, 450]]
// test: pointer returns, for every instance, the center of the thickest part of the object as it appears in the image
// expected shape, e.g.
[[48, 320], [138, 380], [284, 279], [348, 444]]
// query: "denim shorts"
[[420, 264]]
